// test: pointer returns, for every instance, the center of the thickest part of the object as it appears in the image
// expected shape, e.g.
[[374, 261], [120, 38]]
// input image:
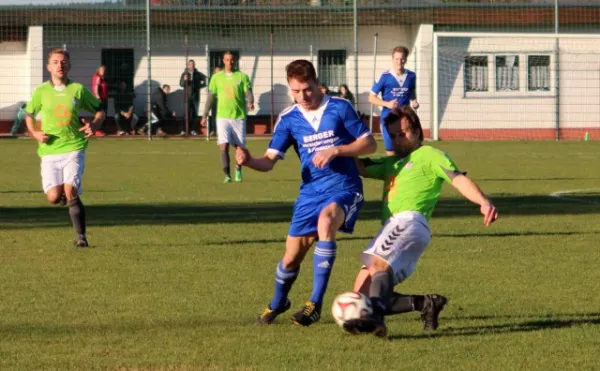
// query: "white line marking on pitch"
[[559, 195]]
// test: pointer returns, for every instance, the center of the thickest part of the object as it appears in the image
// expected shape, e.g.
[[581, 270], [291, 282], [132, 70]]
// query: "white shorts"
[[232, 131], [65, 168], [400, 242]]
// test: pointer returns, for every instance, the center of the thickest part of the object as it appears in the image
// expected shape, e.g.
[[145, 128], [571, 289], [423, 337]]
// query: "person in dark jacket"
[[125, 116], [192, 81], [160, 110]]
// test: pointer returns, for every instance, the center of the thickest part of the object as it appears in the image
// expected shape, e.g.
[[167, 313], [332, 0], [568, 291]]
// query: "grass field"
[[182, 264]]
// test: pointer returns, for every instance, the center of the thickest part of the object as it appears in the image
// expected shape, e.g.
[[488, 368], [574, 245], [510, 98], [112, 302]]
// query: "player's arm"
[[374, 99], [91, 104], [375, 90], [248, 93], [471, 191], [369, 168], [207, 108], [280, 142], [38, 135], [413, 95], [264, 163], [32, 108]]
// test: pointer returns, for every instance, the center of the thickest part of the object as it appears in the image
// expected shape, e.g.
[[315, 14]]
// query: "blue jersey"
[[334, 123], [391, 88]]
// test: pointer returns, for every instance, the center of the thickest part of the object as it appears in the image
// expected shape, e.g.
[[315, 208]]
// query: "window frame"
[[343, 57]]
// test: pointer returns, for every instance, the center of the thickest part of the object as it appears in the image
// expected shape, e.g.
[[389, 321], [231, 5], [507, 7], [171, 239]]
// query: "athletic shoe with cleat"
[[430, 314], [268, 315], [238, 175], [308, 315], [369, 325], [227, 180], [81, 242]]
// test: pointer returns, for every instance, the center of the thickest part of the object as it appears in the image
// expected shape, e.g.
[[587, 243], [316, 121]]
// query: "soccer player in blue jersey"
[[326, 133], [398, 88]]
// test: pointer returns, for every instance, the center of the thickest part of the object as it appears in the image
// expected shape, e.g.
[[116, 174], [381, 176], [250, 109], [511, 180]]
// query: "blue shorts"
[[308, 208]]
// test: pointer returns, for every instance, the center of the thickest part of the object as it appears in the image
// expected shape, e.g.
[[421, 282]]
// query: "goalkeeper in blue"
[[326, 133]]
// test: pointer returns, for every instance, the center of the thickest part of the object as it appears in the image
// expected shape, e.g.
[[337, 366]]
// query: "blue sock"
[[323, 260], [284, 279]]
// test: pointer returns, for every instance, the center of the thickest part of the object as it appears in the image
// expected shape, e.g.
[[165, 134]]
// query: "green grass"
[[182, 264]]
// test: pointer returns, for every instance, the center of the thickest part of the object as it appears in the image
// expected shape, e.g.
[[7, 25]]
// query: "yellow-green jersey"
[[230, 90], [60, 116], [412, 183]]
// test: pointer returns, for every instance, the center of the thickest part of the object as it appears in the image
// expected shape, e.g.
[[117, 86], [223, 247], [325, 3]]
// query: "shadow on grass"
[[554, 322], [268, 212], [344, 237]]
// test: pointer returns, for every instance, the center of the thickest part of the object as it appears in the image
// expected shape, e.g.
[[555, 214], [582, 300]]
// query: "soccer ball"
[[350, 305]]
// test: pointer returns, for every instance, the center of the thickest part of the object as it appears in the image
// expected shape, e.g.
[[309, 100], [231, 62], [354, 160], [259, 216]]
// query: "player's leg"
[[52, 179], [238, 138], [286, 273], [73, 174], [223, 140], [388, 144], [362, 281], [55, 194], [330, 219]]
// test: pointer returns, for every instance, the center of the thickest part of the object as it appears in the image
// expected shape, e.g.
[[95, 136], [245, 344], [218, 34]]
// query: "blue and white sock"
[[284, 279], [323, 260]]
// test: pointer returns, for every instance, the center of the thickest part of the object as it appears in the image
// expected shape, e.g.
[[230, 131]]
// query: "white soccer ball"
[[350, 305]]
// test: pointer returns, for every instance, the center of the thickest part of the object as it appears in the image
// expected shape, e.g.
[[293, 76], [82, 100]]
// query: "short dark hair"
[[58, 51], [166, 86], [397, 114], [301, 70], [401, 49], [193, 61], [230, 53]]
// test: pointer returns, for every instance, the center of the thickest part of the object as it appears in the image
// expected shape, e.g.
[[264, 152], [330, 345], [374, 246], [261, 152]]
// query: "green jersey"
[[412, 183], [60, 116], [230, 91]]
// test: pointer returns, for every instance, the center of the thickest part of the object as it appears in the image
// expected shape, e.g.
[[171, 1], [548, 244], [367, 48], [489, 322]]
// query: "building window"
[[216, 59], [332, 67], [476, 73], [507, 73], [538, 74]]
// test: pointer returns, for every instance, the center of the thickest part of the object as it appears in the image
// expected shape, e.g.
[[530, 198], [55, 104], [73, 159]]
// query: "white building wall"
[[579, 81], [13, 78]]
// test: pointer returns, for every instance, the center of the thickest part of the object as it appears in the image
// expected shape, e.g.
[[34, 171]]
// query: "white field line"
[[560, 195]]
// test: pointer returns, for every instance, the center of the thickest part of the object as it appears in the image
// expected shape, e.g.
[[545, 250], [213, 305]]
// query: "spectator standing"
[[192, 81], [100, 91]]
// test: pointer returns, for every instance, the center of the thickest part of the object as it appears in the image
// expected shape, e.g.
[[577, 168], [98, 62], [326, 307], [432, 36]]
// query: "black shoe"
[[63, 200], [81, 242], [309, 314], [367, 325], [430, 314], [268, 315]]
